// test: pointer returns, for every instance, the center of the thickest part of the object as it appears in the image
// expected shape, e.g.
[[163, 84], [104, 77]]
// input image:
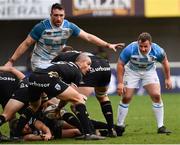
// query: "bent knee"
[[156, 98], [126, 99], [101, 95], [79, 99]]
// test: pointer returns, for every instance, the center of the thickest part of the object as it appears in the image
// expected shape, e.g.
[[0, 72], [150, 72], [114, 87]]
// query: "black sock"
[[23, 120], [2, 120], [99, 124], [104, 132], [108, 113], [82, 115], [72, 120]]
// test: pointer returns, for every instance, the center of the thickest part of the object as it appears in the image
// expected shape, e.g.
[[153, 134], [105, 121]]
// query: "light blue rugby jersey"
[[132, 56], [50, 40]]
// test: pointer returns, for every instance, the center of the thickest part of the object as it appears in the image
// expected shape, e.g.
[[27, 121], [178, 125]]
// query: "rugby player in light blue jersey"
[[137, 64], [50, 35]]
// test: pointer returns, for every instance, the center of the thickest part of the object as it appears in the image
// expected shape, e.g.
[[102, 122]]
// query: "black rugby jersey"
[[8, 84], [100, 73]]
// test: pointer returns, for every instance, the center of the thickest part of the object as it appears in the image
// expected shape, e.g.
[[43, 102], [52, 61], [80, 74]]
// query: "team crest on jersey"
[[53, 74], [58, 87]]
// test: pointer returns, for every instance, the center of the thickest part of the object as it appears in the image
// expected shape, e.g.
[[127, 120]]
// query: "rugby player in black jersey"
[[51, 83], [98, 77], [10, 79]]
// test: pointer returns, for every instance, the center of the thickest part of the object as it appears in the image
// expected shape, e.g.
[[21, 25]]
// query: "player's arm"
[[46, 131], [120, 73], [13, 70], [99, 42], [124, 57], [22, 48], [166, 68]]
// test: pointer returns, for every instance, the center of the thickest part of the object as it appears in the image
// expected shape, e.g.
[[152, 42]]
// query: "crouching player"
[[98, 77]]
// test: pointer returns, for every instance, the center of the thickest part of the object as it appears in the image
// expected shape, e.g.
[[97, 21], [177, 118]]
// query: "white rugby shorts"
[[133, 79]]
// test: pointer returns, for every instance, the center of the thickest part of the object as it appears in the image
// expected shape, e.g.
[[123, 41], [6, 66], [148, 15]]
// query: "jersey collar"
[[142, 54], [55, 27]]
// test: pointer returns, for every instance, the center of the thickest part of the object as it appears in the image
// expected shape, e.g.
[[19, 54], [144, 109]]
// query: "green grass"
[[141, 124]]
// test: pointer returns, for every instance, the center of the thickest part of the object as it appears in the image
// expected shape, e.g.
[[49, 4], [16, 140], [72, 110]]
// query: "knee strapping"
[[101, 94]]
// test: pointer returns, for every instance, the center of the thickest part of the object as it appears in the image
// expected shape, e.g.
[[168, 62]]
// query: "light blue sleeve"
[[37, 31], [160, 53], [125, 55], [76, 30]]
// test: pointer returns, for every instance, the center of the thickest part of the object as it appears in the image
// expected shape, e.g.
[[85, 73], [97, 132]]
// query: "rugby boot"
[[163, 130], [90, 137], [120, 130]]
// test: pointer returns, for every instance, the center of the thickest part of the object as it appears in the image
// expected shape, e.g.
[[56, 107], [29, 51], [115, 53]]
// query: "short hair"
[[144, 36], [57, 6], [82, 57]]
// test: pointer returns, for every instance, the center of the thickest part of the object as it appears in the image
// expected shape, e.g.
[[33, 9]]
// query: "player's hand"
[[168, 84], [116, 46], [120, 89], [46, 136]]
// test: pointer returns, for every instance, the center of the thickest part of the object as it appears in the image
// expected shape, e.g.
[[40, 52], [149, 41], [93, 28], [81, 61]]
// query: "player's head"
[[84, 63], [144, 42], [25, 130], [57, 14]]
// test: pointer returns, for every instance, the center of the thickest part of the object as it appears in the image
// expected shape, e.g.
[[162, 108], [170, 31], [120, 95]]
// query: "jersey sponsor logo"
[[23, 85], [100, 69], [42, 85], [57, 87], [56, 36], [7, 78], [138, 62]]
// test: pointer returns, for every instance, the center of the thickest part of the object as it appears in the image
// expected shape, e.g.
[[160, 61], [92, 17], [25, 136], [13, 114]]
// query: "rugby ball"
[[51, 112]]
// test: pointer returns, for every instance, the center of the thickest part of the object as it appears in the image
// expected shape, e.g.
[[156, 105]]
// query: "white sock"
[[122, 113], [158, 109]]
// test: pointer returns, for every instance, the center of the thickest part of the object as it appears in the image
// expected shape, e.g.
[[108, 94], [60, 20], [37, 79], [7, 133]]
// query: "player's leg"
[[87, 91], [124, 106], [10, 109], [153, 88], [131, 81], [106, 107], [78, 101], [69, 133], [8, 113], [72, 120], [27, 113], [157, 105]]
